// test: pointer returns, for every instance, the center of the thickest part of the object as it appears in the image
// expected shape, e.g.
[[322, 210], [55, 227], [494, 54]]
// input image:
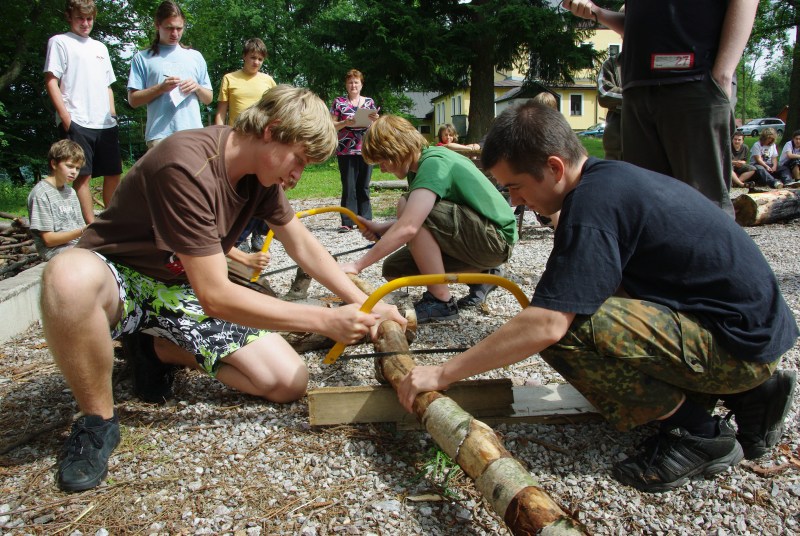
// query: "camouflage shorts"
[[173, 312], [635, 360]]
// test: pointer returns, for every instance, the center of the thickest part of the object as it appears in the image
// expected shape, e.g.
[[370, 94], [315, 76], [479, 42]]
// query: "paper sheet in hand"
[[362, 117], [176, 96]]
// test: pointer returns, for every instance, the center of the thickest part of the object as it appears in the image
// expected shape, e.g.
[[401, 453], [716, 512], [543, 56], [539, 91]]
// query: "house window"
[[576, 105], [458, 105], [424, 129], [613, 50]]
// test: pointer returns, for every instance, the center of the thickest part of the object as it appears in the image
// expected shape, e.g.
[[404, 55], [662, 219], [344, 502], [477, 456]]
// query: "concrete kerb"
[[19, 302]]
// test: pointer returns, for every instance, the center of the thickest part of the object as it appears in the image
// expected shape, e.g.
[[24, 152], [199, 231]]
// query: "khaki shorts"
[[469, 243]]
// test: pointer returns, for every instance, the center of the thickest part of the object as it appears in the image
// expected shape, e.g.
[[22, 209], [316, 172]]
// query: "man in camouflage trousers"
[[640, 307]]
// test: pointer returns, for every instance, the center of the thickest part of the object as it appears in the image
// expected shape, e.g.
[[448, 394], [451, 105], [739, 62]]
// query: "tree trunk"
[[504, 482], [792, 119]]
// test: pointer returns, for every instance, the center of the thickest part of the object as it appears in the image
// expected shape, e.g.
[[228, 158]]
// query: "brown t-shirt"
[[178, 199]]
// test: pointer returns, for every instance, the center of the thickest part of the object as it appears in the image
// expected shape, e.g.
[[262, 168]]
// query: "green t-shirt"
[[454, 177]]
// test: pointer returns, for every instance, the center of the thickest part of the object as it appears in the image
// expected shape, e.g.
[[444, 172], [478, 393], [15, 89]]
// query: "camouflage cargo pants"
[[636, 360]]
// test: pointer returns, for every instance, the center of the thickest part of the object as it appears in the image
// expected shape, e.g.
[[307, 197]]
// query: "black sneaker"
[[84, 460], [431, 309], [478, 293], [152, 379], [670, 458], [760, 413]]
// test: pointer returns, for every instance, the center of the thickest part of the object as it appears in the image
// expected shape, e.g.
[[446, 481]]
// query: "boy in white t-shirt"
[[789, 163], [53, 208], [78, 76], [764, 155]]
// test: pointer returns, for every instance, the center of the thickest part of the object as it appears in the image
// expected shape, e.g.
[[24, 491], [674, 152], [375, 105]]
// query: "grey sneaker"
[[84, 460], [669, 459], [431, 309], [760, 413], [478, 293]]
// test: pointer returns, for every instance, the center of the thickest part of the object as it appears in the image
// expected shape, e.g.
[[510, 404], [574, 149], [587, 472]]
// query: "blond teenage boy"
[[53, 207], [78, 76], [451, 220], [152, 267]]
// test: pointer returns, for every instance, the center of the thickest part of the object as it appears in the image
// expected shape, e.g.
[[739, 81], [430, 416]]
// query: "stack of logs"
[[17, 252]]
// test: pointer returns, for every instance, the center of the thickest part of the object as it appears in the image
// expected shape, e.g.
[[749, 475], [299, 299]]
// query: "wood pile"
[[17, 251]]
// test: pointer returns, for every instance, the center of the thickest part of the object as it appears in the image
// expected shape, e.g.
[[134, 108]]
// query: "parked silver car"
[[756, 126]]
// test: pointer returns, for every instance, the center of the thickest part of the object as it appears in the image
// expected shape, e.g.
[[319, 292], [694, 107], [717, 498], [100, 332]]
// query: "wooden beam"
[[493, 401]]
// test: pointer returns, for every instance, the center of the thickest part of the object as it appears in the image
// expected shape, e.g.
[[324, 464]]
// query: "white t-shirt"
[[767, 152], [84, 70], [789, 148]]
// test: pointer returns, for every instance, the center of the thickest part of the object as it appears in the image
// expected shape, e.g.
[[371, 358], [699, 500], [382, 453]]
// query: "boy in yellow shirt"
[[246, 86], [237, 91]]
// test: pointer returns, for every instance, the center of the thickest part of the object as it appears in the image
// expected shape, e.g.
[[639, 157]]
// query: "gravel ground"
[[216, 462]]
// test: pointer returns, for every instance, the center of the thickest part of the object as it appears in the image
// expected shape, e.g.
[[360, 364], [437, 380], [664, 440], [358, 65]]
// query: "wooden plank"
[[493, 401]]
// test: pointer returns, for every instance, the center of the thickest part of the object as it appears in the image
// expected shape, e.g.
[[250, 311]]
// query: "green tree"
[[775, 20], [443, 44], [748, 89], [29, 124], [774, 89]]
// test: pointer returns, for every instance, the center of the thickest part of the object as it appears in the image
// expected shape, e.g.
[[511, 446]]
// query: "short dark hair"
[[84, 7], [254, 45], [525, 136], [796, 133]]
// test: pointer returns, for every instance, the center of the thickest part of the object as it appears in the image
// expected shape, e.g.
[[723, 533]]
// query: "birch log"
[[503, 481], [759, 208]]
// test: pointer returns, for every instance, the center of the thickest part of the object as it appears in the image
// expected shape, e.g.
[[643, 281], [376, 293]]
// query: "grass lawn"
[[318, 180]]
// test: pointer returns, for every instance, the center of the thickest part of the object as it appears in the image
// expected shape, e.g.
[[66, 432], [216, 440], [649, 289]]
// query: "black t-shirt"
[[670, 41], [664, 242]]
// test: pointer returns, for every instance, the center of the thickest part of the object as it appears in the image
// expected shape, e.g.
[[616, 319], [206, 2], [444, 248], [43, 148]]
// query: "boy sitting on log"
[[633, 309], [154, 261], [451, 220]]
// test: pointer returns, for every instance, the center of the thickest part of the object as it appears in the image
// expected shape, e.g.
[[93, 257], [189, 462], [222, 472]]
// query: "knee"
[[290, 386], [72, 277]]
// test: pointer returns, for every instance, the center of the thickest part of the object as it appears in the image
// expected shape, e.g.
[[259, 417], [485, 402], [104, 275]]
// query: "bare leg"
[[82, 190], [427, 255], [110, 183], [80, 300], [268, 368]]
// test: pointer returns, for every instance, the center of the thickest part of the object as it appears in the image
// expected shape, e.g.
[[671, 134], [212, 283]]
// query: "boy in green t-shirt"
[[451, 220]]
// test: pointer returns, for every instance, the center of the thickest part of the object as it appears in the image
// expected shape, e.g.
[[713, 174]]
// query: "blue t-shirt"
[[664, 242], [163, 116]]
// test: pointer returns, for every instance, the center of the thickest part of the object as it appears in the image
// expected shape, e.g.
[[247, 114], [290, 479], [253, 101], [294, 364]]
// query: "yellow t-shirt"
[[241, 90]]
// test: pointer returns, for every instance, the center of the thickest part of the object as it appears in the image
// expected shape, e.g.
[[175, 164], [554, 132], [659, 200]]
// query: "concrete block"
[[19, 302]]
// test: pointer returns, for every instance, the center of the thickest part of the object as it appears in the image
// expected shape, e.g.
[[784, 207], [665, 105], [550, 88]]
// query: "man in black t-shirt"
[[678, 74], [633, 308]]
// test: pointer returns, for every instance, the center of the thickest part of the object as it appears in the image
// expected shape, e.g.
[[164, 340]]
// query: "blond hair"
[[546, 98], [392, 139], [293, 115], [766, 134]]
